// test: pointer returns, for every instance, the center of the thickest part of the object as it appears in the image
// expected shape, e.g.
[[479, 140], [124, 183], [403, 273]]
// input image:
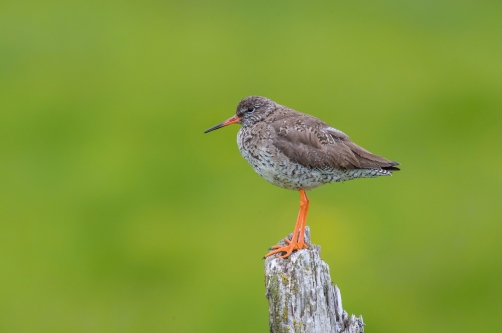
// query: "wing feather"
[[312, 143]]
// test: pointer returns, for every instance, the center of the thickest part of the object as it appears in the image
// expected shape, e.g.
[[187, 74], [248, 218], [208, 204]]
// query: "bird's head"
[[250, 110]]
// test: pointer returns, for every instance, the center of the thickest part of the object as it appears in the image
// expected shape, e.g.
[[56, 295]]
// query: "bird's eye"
[[250, 109]]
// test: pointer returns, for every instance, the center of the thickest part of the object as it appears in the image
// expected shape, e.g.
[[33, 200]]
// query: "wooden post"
[[301, 297]]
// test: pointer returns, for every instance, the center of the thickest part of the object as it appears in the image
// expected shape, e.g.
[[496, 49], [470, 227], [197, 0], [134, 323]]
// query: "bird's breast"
[[259, 150]]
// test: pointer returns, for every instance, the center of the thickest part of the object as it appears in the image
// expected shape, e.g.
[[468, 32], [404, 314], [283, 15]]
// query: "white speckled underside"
[[277, 169]]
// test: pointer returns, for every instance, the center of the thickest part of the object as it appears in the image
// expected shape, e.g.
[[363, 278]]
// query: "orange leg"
[[297, 227], [304, 201], [298, 240]]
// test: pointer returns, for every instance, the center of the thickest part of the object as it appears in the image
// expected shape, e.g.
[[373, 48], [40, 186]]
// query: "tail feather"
[[392, 167]]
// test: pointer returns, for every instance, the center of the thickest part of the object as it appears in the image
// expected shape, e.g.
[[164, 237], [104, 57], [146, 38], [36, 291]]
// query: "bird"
[[299, 152]]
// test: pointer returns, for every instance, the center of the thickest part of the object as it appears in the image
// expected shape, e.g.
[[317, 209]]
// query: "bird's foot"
[[292, 246], [299, 246]]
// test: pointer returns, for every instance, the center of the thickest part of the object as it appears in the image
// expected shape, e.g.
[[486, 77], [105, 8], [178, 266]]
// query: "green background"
[[117, 214]]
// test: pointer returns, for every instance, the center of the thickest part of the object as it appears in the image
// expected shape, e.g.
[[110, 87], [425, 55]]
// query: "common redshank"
[[299, 152]]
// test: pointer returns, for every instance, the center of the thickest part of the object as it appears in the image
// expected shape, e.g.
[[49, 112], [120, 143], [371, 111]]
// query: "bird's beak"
[[227, 122]]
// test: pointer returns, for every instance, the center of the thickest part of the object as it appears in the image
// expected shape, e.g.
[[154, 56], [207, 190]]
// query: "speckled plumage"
[[297, 151]]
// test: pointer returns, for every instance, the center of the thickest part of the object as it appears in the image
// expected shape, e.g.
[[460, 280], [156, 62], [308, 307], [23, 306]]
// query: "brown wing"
[[310, 142]]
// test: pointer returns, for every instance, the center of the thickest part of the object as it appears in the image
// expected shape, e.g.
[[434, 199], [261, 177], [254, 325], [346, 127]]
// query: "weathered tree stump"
[[301, 297]]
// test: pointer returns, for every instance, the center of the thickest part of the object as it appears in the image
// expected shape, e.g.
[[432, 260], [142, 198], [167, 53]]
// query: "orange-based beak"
[[227, 122]]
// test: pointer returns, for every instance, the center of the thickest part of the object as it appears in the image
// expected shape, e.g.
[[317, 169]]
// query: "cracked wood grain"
[[301, 296]]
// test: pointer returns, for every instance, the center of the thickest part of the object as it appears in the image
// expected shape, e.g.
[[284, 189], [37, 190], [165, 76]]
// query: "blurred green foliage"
[[117, 214]]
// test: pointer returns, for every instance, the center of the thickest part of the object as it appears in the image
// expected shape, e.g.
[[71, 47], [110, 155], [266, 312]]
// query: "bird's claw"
[[286, 248]]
